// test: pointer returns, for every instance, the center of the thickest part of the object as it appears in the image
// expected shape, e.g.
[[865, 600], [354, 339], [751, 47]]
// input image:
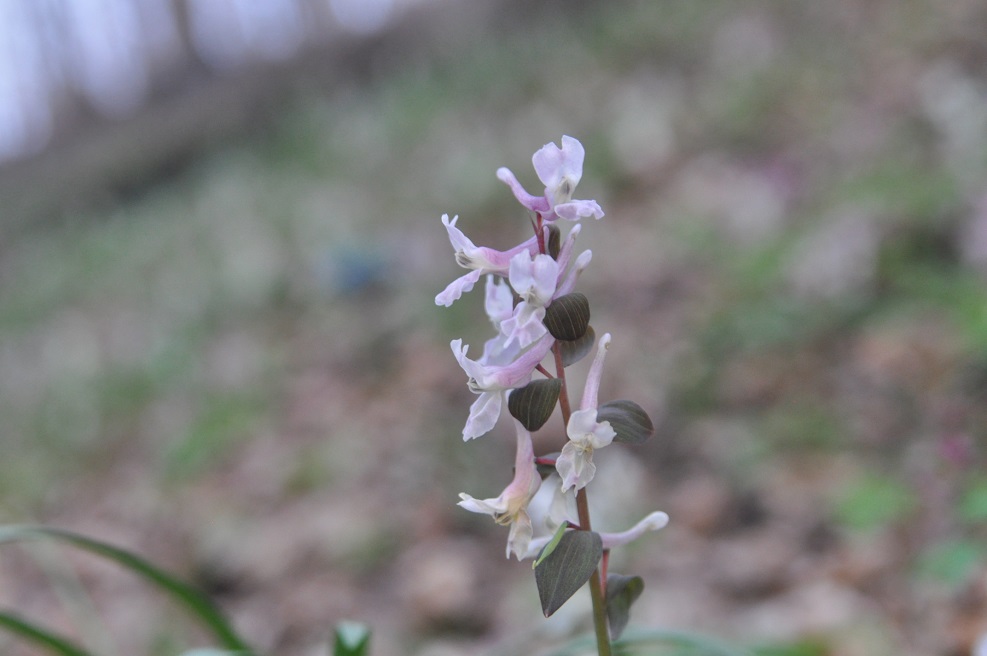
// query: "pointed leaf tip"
[[567, 568], [622, 592]]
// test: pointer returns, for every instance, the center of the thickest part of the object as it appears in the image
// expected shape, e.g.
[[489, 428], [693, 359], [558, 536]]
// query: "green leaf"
[[567, 318], [631, 423], [567, 568], [622, 591], [534, 403], [547, 550], [577, 349], [352, 639], [194, 600], [40, 636]]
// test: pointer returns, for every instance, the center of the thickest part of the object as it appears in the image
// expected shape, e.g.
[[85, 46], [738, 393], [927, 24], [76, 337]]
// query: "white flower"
[[586, 434], [511, 507], [575, 463]]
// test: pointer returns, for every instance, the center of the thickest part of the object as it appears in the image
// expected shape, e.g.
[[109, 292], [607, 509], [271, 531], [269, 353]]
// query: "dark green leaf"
[[534, 403], [631, 423], [42, 637], [568, 316], [567, 568], [554, 244], [352, 639], [577, 349], [192, 598], [622, 591]]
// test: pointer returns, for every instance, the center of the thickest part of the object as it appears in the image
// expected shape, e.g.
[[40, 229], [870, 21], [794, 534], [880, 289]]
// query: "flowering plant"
[[537, 316]]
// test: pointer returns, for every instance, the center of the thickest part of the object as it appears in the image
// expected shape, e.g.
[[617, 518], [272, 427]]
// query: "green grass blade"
[[192, 598], [40, 636]]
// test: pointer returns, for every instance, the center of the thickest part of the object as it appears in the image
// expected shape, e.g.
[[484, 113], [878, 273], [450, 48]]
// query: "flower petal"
[[653, 522], [498, 300], [560, 169], [533, 203], [592, 388], [484, 414], [575, 466], [526, 325], [482, 506], [534, 278], [457, 288], [587, 432], [574, 210], [520, 536]]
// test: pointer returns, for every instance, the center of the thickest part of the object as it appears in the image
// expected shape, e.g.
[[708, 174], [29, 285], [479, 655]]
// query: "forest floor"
[[241, 373]]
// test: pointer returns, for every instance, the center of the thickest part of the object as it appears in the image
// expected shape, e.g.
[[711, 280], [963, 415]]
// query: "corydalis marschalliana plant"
[[537, 316]]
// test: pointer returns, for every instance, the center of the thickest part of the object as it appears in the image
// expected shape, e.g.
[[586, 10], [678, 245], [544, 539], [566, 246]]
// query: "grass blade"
[[192, 598], [40, 636]]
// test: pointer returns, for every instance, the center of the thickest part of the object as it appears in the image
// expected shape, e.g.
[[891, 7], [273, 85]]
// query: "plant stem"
[[582, 507], [595, 585]]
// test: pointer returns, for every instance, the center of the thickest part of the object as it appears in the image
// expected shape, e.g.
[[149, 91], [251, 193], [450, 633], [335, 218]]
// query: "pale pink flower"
[[479, 259], [534, 278], [491, 376], [560, 170], [511, 507]]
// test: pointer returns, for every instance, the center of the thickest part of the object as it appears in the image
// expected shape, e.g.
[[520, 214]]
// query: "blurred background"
[[219, 249]]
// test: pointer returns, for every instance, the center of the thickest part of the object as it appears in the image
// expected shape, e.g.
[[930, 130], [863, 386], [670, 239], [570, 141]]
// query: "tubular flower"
[[479, 259], [511, 507], [560, 170], [575, 463], [653, 522], [490, 379]]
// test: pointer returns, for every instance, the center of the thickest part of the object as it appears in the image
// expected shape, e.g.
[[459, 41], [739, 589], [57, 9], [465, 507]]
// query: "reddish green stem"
[[582, 505], [582, 508]]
